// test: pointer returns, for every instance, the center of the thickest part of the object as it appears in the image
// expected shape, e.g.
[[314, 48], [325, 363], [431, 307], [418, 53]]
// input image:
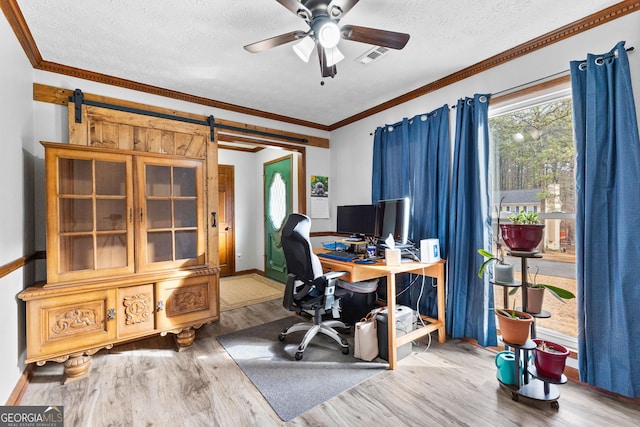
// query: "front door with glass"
[[277, 195]]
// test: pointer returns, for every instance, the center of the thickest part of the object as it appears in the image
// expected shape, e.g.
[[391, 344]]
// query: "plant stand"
[[528, 383], [505, 291]]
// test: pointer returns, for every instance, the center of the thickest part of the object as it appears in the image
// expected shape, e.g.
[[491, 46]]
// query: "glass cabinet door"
[[170, 209], [90, 208]]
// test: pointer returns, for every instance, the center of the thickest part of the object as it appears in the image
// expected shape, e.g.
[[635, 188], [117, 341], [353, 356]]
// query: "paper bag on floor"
[[366, 338]]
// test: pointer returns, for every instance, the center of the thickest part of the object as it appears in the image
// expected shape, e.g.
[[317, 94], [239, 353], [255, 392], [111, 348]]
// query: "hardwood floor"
[[148, 383]]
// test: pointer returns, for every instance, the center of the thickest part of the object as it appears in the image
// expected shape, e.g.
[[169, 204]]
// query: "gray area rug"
[[291, 386]]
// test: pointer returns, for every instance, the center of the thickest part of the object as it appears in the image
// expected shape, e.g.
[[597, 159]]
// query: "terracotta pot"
[[550, 363], [522, 237], [514, 331], [535, 297]]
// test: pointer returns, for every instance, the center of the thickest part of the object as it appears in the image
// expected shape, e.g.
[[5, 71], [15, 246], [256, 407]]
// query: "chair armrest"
[[329, 289], [332, 275]]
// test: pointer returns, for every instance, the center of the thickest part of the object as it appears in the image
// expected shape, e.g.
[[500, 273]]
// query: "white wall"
[[249, 198], [16, 215], [355, 141], [249, 204], [246, 172]]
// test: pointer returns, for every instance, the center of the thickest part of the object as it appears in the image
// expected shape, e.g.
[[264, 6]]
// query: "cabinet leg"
[[77, 367], [185, 338]]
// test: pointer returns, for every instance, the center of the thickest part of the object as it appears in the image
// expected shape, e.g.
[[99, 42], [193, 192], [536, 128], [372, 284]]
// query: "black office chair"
[[307, 288]]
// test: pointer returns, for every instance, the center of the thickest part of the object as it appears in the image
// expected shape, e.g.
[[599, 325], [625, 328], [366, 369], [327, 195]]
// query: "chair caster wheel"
[[345, 350], [281, 336], [299, 355]]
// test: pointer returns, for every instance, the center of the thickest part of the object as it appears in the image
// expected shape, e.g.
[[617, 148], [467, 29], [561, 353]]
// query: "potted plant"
[[524, 233], [535, 294], [550, 359], [502, 271], [514, 325]]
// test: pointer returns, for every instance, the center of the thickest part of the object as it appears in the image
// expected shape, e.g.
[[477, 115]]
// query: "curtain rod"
[[629, 49]]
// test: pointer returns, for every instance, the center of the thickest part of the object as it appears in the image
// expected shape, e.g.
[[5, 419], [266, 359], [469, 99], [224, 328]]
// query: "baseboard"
[[18, 391], [252, 271]]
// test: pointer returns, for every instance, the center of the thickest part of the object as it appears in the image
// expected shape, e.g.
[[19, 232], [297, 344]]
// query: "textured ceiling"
[[196, 46]]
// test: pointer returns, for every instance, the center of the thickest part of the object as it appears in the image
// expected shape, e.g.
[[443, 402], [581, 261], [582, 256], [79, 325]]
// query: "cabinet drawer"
[[63, 324], [186, 300]]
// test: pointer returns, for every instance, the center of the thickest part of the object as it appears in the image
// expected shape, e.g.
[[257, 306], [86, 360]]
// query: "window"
[[533, 167]]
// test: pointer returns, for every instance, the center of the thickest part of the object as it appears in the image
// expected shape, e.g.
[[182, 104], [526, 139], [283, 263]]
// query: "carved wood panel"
[[70, 322], [186, 300], [135, 310]]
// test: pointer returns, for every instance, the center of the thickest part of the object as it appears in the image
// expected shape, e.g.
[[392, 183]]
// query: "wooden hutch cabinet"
[[126, 253]]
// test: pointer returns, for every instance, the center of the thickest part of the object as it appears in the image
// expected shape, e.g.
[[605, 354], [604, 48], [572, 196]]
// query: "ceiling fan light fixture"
[[304, 48], [335, 12], [328, 34], [333, 56]]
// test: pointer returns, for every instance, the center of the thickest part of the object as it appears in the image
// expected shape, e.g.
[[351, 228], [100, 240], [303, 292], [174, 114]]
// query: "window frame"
[[519, 99]]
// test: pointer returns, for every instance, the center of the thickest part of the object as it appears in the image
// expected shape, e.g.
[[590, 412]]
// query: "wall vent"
[[373, 54]]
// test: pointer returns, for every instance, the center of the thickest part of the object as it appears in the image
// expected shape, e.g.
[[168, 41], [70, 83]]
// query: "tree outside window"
[[534, 171]]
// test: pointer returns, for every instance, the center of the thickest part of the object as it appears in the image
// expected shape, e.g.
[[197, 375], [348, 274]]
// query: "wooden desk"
[[360, 272]]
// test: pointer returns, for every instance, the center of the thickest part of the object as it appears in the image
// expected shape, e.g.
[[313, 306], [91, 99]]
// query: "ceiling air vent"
[[373, 55]]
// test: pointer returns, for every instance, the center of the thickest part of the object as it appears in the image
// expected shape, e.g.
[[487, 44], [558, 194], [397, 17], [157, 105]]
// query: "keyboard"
[[340, 255]]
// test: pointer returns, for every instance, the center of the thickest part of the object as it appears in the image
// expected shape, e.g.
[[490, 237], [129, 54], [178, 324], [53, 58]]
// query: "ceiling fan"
[[323, 16]]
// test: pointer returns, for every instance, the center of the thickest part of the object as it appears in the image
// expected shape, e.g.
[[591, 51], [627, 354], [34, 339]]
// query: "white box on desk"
[[429, 251], [392, 257]]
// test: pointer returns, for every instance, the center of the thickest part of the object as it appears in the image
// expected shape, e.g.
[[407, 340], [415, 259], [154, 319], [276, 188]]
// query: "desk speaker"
[[429, 250]]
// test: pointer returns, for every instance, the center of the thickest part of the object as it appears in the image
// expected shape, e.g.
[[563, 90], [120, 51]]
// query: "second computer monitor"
[[356, 220], [393, 218]]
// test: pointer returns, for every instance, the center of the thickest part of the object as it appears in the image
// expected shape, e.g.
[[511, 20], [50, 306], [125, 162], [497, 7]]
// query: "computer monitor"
[[393, 218], [356, 220]]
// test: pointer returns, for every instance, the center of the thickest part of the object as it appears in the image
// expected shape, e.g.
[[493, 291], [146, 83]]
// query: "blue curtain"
[[607, 222], [411, 159], [469, 298]]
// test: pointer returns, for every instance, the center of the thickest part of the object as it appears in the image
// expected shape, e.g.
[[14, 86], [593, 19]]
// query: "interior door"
[[226, 213], [277, 196]]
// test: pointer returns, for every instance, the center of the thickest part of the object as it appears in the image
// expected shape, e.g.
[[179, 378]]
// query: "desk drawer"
[[328, 266], [357, 272]]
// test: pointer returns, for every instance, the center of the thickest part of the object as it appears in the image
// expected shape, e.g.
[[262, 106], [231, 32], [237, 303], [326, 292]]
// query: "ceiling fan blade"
[[295, 7], [343, 5], [274, 41], [324, 69], [389, 39]]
